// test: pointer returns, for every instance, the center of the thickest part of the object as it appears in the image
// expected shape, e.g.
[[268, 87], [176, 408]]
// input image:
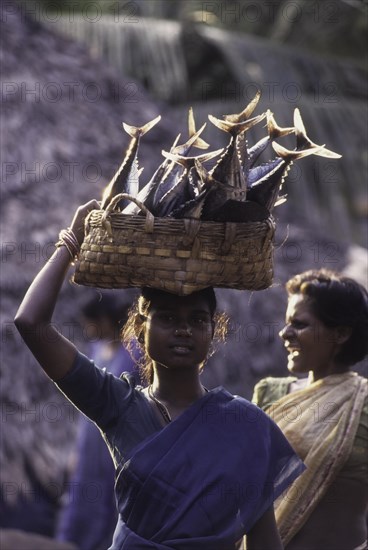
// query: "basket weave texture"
[[178, 256]]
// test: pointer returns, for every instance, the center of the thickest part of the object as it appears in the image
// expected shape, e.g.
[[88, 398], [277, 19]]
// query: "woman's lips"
[[293, 351], [290, 346], [182, 350], [181, 347]]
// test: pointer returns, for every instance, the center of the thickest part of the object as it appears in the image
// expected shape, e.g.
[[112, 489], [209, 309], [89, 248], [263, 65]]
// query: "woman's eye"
[[298, 324], [166, 317], [198, 321]]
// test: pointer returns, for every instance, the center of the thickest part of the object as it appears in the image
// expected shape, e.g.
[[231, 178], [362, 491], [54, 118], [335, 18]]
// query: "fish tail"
[[136, 132], [198, 142], [179, 159], [208, 156], [188, 162], [181, 149], [251, 105], [289, 156], [245, 114], [303, 141], [235, 128], [175, 142], [274, 130]]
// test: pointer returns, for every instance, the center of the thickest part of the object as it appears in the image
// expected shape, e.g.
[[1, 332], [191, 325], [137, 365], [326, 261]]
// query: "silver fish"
[[213, 196], [229, 167], [303, 141], [168, 173], [182, 191], [146, 195], [266, 179], [175, 170], [274, 132], [266, 189], [241, 139], [126, 179], [212, 193], [216, 203], [199, 143]]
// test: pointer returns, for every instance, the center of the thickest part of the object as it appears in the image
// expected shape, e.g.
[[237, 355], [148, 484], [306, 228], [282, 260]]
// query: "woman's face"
[[178, 331], [311, 345]]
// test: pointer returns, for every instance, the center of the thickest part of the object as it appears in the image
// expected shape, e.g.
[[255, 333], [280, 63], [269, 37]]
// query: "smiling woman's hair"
[[132, 334], [337, 301]]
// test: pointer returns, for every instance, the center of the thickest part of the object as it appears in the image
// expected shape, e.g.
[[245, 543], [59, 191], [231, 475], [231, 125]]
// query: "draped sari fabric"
[[320, 421], [203, 480]]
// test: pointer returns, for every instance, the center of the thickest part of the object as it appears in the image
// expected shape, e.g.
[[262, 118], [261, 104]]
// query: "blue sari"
[[205, 479], [202, 481]]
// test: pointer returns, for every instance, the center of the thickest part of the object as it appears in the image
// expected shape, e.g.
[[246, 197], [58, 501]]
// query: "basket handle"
[[110, 207]]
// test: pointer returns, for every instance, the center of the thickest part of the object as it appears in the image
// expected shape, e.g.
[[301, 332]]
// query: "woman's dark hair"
[[148, 295], [139, 310], [337, 301]]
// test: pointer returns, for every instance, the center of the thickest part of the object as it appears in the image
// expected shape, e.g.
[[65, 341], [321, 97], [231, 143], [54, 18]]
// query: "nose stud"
[[186, 330]]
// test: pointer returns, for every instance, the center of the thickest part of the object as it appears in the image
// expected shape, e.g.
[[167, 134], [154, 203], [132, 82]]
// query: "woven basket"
[[179, 256]]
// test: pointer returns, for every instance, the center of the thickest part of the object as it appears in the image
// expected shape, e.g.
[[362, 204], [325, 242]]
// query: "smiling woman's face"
[[178, 331], [311, 345]]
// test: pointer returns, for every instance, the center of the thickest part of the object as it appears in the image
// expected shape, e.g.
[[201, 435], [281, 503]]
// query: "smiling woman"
[[323, 415], [195, 469], [310, 342]]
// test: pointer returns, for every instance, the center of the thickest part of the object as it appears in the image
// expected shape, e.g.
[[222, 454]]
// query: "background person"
[[324, 415], [91, 487]]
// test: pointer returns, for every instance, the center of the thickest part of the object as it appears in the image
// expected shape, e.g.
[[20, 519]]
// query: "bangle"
[[68, 239]]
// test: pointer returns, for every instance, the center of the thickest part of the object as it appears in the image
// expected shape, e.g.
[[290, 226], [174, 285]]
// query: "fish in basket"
[[188, 227]]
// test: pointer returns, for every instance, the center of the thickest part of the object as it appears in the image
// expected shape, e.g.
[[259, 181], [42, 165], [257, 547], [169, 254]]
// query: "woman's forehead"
[[174, 302], [298, 304]]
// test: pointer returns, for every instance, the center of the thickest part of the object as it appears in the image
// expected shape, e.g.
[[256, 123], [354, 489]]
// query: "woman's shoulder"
[[271, 389], [96, 391], [275, 381]]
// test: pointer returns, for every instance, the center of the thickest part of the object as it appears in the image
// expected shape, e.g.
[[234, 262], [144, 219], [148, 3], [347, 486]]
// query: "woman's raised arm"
[[53, 351]]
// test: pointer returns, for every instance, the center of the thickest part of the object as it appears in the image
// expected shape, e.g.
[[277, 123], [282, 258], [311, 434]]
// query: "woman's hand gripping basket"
[[176, 255]]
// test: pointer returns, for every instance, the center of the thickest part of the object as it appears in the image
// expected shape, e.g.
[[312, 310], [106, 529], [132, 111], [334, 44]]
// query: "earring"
[[141, 338]]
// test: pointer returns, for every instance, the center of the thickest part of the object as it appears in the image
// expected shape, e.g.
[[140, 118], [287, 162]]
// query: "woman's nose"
[[285, 332], [183, 329]]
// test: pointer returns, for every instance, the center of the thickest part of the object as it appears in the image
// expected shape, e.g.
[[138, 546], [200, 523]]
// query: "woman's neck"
[[177, 387], [334, 369]]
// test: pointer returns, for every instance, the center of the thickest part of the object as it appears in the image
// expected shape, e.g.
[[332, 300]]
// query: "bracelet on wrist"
[[68, 239]]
